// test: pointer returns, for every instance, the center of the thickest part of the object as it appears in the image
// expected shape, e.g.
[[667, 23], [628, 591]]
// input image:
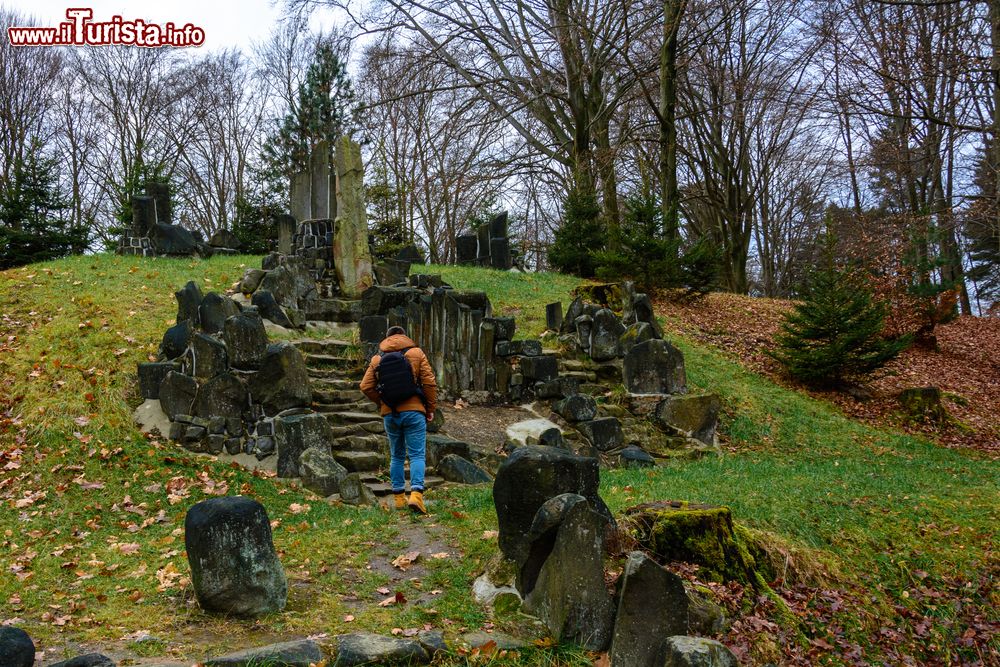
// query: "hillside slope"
[[887, 541], [966, 365]]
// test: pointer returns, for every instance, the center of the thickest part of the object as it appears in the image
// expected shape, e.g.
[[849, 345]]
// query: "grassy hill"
[[886, 541]]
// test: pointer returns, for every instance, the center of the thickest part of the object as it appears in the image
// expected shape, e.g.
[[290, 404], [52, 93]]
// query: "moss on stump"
[[694, 533]]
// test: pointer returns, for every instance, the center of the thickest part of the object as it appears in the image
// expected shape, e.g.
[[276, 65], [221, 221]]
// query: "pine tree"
[[33, 227], [835, 333], [580, 236], [324, 110], [643, 251]]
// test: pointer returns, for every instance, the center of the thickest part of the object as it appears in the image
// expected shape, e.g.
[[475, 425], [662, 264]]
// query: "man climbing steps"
[[400, 381]]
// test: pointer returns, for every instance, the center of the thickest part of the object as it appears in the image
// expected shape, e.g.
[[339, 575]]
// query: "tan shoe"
[[416, 502], [400, 500]]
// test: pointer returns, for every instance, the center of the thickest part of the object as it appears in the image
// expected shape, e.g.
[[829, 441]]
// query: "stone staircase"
[[360, 445]]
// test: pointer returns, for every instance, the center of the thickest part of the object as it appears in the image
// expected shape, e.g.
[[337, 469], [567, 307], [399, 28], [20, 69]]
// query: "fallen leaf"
[[348, 618], [404, 561]]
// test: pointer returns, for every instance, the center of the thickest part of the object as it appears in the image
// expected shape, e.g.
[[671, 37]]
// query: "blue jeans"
[[407, 433]]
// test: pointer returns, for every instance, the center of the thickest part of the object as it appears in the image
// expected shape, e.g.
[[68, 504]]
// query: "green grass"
[[886, 516], [521, 295]]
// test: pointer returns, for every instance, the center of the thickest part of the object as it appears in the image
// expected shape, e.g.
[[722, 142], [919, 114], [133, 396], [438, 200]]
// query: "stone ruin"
[[152, 233], [554, 532], [488, 245]]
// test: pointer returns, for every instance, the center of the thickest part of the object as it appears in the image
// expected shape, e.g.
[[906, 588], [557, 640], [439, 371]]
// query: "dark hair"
[[395, 331]]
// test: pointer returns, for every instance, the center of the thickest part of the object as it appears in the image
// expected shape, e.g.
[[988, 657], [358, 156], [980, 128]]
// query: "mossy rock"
[[609, 295], [923, 404], [694, 533]]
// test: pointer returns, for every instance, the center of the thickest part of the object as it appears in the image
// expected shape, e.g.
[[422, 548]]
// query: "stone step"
[[332, 373], [383, 489], [333, 384], [362, 443], [574, 365], [360, 461], [582, 376], [358, 424], [363, 406], [330, 346], [325, 361], [342, 330], [350, 417], [333, 310], [337, 396]]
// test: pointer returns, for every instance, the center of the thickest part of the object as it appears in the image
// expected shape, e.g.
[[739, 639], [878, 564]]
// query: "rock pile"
[[553, 527], [153, 235]]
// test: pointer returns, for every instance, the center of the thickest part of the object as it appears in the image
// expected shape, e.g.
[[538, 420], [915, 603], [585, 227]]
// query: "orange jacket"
[[422, 373]]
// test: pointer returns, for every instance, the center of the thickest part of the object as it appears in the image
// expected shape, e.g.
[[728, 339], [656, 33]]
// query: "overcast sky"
[[226, 23]]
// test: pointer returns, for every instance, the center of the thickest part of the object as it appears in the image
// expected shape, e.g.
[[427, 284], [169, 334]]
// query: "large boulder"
[[320, 472], [224, 238], [175, 241], [234, 566], [246, 339], [16, 648], [379, 300], [289, 283], [529, 477], [607, 330], [301, 653], [363, 648], [188, 299], [652, 605], [683, 651], [282, 381], [604, 434], [176, 339], [638, 332], [540, 368], [655, 367], [692, 416], [456, 469], [223, 396], [206, 357], [440, 446], [294, 434], [354, 491], [177, 394], [642, 307], [251, 280], [541, 538], [214, 310], [269, 309], [569, 595], [576, 408], [151, 376]]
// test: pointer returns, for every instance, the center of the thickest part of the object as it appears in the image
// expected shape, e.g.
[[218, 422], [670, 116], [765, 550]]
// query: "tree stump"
[[694, 533]]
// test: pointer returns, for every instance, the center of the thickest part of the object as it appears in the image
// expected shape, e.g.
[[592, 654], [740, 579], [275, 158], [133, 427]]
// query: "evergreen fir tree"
[[643, 253], [835, 333], [580, 236], [33, 227], [324, 110]]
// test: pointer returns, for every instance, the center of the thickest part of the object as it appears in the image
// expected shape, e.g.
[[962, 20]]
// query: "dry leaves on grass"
[[966, 365]]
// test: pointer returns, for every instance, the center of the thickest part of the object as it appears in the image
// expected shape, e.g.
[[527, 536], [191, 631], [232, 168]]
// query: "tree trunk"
[[670, 199]]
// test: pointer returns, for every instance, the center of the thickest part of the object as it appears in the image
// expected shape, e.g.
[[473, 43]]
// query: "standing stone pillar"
[[483, 237], [299, 198], [143, 215], [286, 232], [319, 173], [160, 192], [351, 255]]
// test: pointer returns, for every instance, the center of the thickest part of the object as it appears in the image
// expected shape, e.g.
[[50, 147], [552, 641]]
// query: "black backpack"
[[394, 379]]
